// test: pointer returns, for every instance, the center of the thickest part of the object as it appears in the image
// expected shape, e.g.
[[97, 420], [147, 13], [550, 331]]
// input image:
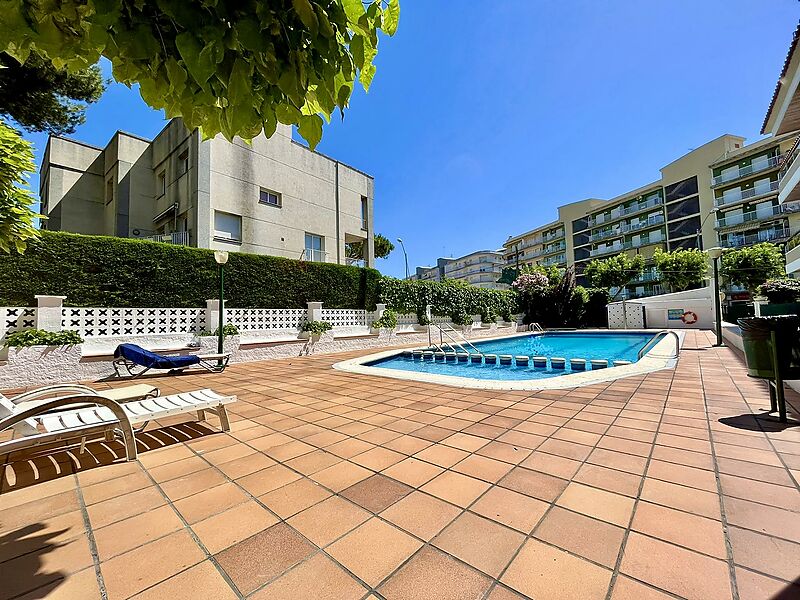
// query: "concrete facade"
[[481, 269], [273, 196]]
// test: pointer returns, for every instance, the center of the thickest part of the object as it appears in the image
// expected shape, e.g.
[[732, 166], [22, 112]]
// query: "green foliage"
[[422, 317], [107, 271], [508, 275], [488, 314], [237, 68], [316, 327], [227, 329], [681, 269], [753, 265], [559, 303], [595, 311], [461, 317], [445, 298], [387, 321], [382, 247], [781, 291], [42, 98], [40, 337], [16, 217], [614, 272]]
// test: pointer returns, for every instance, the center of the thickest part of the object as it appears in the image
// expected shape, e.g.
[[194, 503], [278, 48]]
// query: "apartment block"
[[481, 268], [270, 196]]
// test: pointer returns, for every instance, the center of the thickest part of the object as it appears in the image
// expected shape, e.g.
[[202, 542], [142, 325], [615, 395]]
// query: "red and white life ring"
[[689, 317]]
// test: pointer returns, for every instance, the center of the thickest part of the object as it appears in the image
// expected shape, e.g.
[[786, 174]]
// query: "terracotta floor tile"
[[330, 519], [413, 472], [142, 567], [432, 433], [341, 475], [262, 557], [376, 493], [246, 465], [676, 570], [501, 593], [373, 550], [432, 575], [541, 571], [232, 526], [349, 448], [768, 520], [82, 584], [266, 480], [767, 554], [113, 488], [618, 460], [136, 531], [600, 504], [421, 514], [313, 462], [378, 458], [318, 578], [294, 497], [464, 441], [187, 485], [552, 464], [612, 480], [510, 508], [532, 483], [444, 456], [626, 588], [407, 444], [690, 531], [505, 452], [758, 491], [124, 506], [455, 488], [483, 467], [753, 586], [211, 501], [596, 540], [480, 543], [43, 534], [680, 474], [200, 581], [699, 502]]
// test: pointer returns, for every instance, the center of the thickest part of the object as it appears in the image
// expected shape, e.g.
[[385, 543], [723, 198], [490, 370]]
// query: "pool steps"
[[557, 363]]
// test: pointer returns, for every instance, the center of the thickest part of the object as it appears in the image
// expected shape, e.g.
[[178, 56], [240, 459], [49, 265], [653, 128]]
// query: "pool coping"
[[656, 359]]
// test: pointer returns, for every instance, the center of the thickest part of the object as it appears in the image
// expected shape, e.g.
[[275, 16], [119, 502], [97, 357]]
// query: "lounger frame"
[[214, 363]]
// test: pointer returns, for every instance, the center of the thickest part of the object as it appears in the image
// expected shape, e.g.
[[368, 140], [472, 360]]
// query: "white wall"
[[658, 309]]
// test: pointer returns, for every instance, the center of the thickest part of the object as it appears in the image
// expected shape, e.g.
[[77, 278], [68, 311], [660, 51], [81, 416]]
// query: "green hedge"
[[108, 271]]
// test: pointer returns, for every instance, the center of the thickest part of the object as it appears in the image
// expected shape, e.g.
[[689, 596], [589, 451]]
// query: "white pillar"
[[379, 310], [757, 308], [212, 314], [314, 311], [48, 312]]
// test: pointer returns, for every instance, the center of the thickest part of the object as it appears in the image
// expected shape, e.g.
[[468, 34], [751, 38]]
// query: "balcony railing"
[[553, 236], [354, 262], [754, 167], [649, 202], [625, 246], [748, 217], [650, 222], [601, 235], [768, 235], [554, 260], [646, 277], [179, 238], [556, 248], [314, 255], [789, 158], [739, 195]]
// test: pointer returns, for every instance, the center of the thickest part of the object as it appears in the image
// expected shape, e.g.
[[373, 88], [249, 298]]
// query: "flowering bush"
[[531, 283], [780, 291]]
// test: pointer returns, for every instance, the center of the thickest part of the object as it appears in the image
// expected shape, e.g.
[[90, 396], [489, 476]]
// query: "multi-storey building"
[[434, 273], [481, 269], [271, 196]]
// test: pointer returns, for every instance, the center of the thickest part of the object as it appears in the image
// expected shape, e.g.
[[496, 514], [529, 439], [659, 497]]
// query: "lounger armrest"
[[214, 356], [53, 389], [81, 399]]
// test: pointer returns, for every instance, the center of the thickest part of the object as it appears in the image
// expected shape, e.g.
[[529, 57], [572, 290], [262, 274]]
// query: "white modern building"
[[481, 268], [271, 196]]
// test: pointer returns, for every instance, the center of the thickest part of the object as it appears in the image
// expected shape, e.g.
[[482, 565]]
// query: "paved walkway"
[[338, 486]]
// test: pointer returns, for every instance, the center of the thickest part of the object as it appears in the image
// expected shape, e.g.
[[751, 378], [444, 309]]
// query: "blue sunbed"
[[137, 361]]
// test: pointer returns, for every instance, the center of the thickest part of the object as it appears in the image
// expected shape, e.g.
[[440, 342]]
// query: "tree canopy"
[[754, 265], [382, 246], [40, 97], [16, 217], [236, 68], [614, 272], [681, 269]]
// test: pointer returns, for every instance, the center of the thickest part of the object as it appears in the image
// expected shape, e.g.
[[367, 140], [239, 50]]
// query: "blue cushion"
[[145, 358]]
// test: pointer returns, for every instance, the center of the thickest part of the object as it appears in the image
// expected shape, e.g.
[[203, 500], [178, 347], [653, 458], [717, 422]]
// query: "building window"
[[315, 248], [681, 189], [183, 162], [227, 227], [109, 191], [364, 213], [269, 197], [162, 183]]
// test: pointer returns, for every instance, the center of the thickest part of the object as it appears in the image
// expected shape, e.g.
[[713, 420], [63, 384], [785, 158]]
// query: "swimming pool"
[[568, 345], [499, 363]]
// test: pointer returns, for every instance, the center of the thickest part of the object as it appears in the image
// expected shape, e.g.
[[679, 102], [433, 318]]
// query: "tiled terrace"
[[339, 486]]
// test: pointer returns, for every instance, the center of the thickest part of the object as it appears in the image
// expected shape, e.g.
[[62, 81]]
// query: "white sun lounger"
[[139, 391], [58, 419]]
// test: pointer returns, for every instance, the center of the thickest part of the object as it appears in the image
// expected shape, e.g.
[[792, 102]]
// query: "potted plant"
[[508, 317], [780, 291], [208, 340], [388, 321], [423, 322], [488, 317], [463, 318], [313, 330], [34, 355]]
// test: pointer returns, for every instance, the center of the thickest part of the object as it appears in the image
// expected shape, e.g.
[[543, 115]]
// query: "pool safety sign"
[[675, 314]]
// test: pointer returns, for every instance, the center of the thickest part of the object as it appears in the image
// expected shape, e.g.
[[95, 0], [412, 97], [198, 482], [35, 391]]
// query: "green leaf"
[[310, 127], [306, 13], [354, 10], [391, 17], [198, 60], [239, 90]]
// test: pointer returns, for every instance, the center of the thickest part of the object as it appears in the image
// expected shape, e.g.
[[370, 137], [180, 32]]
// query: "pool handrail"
[[656, 338], [453, 341]]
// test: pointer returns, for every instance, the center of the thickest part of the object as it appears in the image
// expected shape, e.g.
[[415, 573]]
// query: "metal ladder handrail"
[[657, 338], [455, 342], [535, 327]]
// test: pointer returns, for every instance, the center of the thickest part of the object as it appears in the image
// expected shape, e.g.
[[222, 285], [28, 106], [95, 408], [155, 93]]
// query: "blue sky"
[[485, 116]]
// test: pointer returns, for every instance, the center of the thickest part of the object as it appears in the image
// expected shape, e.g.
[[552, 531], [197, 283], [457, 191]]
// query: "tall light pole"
[[221, 257], [405, 254], [714, 254]]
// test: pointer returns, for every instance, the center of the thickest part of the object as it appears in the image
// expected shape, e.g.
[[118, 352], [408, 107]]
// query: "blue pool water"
[[589, 346]]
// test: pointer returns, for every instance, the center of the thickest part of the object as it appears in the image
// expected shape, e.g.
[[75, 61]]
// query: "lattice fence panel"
[[14, 318], [93, 322], [409, 319], [343, 317], [260, 319]]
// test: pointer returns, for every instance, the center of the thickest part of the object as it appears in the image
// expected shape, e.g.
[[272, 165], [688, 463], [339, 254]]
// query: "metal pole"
[[717, 303], [405, 255], [220, 336]]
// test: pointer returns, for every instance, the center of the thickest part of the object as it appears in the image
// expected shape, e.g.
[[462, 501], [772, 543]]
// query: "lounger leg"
[[222, 413], [129, 440], [201, 415], [773, 401]]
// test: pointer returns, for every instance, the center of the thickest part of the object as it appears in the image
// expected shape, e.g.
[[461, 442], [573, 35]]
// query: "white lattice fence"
[[409, 319], [92, 322], [260, 319], [345, 317], [17, 318]]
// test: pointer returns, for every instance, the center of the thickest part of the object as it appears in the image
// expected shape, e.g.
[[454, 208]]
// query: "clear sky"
[[486, 115]]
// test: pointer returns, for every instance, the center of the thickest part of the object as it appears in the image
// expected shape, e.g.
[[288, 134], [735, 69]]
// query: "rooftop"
[[336, 485]]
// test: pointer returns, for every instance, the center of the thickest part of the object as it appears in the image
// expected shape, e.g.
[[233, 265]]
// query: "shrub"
[[488, 314], [781, 291], [596, 313], [111, 272], [387, 321], [560, 304], [40, 337], [461, 317], [228, 329], [422, 317], [316, 327], [753, 265]]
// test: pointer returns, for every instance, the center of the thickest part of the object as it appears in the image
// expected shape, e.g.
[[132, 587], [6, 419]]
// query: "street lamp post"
[[405, 254], [714, 254], [221, 257]]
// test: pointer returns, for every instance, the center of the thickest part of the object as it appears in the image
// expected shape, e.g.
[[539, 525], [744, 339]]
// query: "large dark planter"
[[759, 334]]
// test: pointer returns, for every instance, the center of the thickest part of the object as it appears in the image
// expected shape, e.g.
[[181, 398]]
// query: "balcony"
[[601, 235], [767, 235], [553, 236], [749, 217], [311, 255], [554, 260], [650, 222], [734, 196], [757, 165], [178, 238], [648, 203], [615, 248], [646, 277], [557, 248], [354, 262], [789, 176]]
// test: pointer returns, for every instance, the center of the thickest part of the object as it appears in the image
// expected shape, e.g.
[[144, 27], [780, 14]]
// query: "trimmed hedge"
[[117, 272]]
